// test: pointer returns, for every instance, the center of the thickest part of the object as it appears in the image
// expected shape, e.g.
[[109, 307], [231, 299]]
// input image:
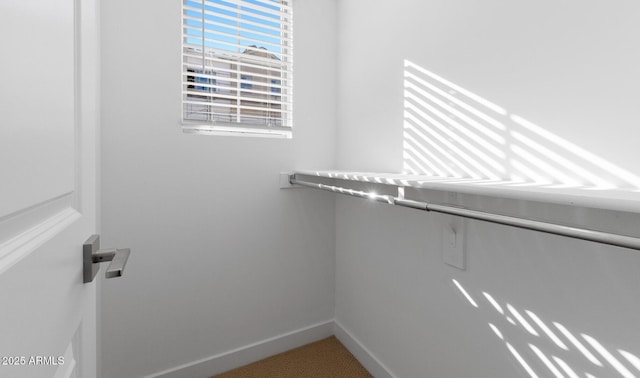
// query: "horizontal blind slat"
[[268, 99], [232, 88], [196, 109], [213, 24], [222, 66], [243, 22], [242, 48], [235, 106], [270, 5], [242, 4], [275, 81], [246, 58], [237, 121], [210, 61], [236, 41]]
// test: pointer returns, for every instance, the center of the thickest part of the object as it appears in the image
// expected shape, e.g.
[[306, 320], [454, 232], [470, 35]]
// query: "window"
[[201, 77], [245, 82], [206, 80], [275, 86], [237, 66]]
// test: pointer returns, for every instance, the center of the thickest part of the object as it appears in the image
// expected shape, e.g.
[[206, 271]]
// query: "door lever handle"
[[92, 256], [118, 258]]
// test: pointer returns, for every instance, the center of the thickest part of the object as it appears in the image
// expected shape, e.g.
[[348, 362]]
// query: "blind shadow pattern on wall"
[[451, 132], [543, 347]]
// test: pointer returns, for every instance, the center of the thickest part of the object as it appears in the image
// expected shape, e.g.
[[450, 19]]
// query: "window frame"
[[247, 95]]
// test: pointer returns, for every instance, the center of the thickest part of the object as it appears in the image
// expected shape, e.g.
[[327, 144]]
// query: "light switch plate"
[[453, 240]]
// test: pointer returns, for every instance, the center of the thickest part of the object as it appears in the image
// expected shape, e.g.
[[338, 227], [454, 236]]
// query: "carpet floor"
[[326, 358]]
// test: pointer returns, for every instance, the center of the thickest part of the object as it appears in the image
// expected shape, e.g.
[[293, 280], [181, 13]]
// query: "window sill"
[[236, 131]]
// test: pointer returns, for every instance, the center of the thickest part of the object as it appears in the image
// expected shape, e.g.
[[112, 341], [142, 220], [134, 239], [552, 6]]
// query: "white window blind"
[[237, 66]]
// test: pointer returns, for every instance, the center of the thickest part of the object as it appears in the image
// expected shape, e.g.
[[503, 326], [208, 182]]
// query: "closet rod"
[[529, 224]]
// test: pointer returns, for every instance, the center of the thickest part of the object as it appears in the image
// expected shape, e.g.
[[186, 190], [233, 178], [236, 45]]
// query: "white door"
[[48, 141]]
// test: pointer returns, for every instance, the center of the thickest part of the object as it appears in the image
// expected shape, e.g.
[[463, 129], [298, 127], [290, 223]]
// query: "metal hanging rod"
[[529, 224]]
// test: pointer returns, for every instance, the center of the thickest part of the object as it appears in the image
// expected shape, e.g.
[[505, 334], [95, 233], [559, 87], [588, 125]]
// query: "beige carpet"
[[326, 358]]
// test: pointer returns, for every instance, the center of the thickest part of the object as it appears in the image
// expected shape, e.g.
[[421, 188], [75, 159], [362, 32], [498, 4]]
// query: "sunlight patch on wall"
[[464, 292], [578, 344], [522, 320], [565, 367], [451, 132], [546, 361], [521, 361], [552, 336], [560, 353], [608, 356], [633, 360], [496, 331], [493, 302]]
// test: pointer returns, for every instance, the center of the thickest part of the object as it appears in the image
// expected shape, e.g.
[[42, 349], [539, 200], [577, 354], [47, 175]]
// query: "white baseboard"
[[232, 359], [361, 353]]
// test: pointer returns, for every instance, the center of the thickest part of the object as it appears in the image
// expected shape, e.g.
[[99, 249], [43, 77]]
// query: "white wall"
[[569, 68], [221, 257]]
